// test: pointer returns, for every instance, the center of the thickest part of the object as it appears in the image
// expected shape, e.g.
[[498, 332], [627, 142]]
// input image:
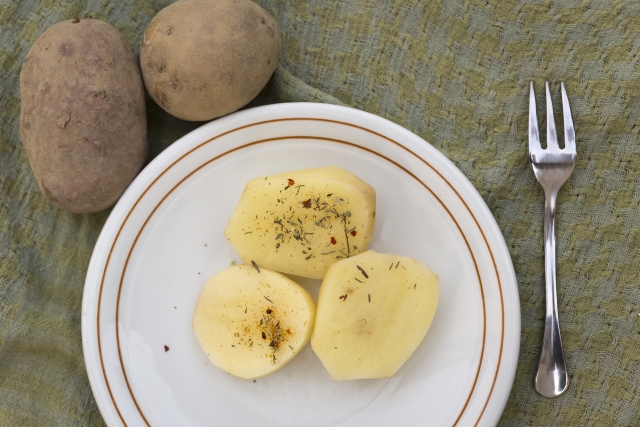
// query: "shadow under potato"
[[163, 129]]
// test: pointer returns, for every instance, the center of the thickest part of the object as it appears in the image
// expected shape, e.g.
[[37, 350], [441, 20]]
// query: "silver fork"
[[551, 167]]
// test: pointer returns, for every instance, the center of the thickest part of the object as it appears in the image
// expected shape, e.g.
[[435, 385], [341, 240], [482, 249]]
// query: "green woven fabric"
[[456, 73]]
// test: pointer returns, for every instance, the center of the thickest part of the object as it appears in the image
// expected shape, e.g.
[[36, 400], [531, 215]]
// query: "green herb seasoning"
[[322, 210], [364, 273], [255, 266]]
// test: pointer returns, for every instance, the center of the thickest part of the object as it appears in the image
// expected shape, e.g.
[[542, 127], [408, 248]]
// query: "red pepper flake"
[[306, 204], [290, 182], [269, 311], [341, 296], [264, 336], [166, 348], [289, 331], [353, 232], [333, 240]]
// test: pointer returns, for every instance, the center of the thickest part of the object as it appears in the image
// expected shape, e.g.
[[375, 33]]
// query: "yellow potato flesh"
[[252, 323], [302, 222], [373, 312]]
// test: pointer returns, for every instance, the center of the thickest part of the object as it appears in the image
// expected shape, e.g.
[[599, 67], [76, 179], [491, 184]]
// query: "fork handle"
[[552, 378]]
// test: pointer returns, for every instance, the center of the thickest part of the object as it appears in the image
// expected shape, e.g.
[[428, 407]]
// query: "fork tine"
[[569, 130], [534, 134], [552, 137]]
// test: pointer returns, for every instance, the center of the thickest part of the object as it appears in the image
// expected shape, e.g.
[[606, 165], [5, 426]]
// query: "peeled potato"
[[373, 312], [302, 222], [250, 323]]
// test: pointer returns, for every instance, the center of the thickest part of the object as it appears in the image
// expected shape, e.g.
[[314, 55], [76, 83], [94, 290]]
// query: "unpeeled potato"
[[202, 59], [83, 122]]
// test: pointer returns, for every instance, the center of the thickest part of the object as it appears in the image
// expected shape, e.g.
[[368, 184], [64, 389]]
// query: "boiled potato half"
[[251, 321], [373, 312], [302, 222]]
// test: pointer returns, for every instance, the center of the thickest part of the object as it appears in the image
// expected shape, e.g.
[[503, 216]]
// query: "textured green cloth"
[[456, 73]]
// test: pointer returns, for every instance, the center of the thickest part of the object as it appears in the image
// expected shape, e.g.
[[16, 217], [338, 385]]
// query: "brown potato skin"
[[202, 59], [83, 120]]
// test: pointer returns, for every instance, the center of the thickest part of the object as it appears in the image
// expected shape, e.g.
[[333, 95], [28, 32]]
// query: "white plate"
[[165, 237]]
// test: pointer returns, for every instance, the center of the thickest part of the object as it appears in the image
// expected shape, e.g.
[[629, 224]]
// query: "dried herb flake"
[[364, 273], [255, 266]]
